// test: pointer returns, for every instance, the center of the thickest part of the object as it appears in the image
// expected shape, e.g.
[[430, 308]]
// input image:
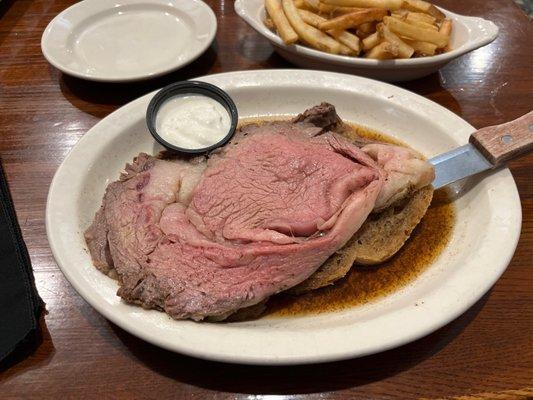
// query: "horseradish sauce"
[[192, 121]]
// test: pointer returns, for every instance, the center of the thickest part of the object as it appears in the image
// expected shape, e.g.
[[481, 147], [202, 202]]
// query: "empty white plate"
[[127, 40]]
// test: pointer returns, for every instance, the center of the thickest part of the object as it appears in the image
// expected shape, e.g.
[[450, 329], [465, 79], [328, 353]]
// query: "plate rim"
[[120, 319], [213, 23]]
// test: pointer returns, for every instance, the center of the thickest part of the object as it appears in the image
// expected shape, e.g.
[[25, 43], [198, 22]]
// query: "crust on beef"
[[322, 116], [96, 238], [243, 314]]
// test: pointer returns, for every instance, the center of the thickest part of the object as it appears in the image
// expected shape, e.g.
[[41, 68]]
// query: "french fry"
[[353, 19], [305, 5], [371, 41], [312, 5], [421, 24], [348, 39], [344, 50], [269, 23], [416, 16], [398, 16], [400, 13], [436, 13], [385, 4], [446, 29], [311, 18], [424, 7], [417, 5], [362, 35], [422, 48], [383, 51], [335, 10], [344, 37], [367, 27], [284, 28], [404, 50], [416, 33], [310, 35]]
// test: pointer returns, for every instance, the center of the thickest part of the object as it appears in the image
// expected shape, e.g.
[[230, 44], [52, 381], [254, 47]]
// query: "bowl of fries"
[[390, 40]]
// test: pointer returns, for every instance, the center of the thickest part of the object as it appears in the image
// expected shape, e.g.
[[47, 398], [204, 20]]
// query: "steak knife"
[[488, 148]]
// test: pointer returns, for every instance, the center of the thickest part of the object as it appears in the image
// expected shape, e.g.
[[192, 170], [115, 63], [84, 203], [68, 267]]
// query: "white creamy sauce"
[[192, 121]]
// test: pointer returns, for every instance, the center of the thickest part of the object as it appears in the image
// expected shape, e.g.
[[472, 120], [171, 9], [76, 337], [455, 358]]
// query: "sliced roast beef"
[[206, 237]]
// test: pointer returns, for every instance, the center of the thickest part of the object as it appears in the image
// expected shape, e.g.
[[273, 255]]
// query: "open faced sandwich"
[[285, 205]]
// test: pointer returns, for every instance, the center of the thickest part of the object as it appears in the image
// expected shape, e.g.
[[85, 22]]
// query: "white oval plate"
[[468, 33], [128, 40], [470, 264]]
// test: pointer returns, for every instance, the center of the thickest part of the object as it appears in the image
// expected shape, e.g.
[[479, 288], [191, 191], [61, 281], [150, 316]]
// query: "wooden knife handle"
[[500, 143]]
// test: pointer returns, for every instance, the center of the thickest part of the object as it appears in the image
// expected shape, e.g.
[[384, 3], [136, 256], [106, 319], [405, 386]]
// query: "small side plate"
[[128, 40]]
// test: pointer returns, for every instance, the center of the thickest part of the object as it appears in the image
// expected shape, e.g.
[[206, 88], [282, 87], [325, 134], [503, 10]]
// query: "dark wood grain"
[[488, 350]]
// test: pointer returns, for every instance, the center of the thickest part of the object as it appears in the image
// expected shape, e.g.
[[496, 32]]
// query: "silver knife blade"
[[458, 164]]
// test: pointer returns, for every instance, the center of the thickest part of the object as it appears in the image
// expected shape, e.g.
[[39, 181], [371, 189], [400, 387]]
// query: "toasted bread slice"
[[380, 237]]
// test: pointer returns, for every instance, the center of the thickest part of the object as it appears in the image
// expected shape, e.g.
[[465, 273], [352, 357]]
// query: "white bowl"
[[468, 33], [468, 266]]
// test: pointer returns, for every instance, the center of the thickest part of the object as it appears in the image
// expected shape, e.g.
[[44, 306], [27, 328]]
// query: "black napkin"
[[20, 304]]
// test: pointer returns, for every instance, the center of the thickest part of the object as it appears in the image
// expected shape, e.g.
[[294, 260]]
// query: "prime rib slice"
[[206, 237]]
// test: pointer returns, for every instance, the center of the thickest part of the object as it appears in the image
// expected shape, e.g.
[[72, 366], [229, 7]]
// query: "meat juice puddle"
[[364, 284]]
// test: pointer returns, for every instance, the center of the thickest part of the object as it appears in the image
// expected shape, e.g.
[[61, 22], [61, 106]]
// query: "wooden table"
[[487, 352]]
